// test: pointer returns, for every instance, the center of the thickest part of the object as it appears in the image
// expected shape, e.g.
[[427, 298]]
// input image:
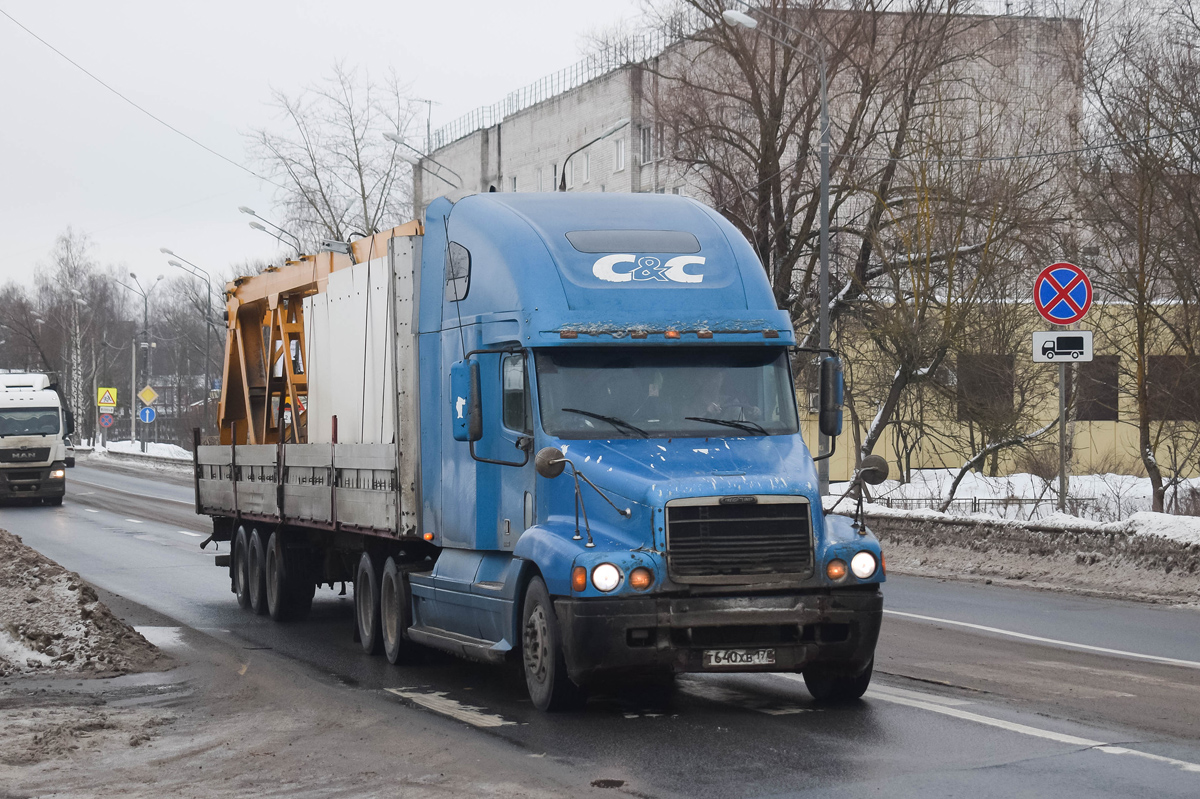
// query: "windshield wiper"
[[614, 421], [749, 427]]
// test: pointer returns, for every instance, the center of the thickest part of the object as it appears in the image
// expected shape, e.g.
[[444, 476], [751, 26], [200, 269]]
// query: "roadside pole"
[[133, 394], [1062, 295], [1062, 436]]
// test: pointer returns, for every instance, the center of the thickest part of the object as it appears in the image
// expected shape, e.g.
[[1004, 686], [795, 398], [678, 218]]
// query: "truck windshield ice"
[[659, 392], [29, 422]]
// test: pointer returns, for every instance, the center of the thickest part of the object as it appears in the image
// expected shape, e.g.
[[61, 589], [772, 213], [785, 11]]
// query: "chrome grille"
[[711, 542]]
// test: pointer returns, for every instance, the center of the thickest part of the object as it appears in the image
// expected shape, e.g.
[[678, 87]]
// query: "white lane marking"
[[438, 702], [90, 510], [906, 694], [135, 521], [1190, 664], [137, 494], [193, 535], [165, 637], [924, 703]]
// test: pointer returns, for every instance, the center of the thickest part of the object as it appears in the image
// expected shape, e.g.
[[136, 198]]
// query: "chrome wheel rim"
[[536, 645]]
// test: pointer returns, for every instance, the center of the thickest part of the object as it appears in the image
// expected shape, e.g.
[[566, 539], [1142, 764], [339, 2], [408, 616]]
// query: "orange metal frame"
[[265, 357]]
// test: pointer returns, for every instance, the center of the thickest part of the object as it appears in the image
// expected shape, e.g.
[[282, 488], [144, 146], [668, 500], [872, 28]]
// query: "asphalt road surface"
[[980, 690]]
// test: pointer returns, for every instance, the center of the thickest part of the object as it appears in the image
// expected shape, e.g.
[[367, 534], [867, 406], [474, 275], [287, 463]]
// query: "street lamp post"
[[196, 271], [739, 19], [258, 226], [562, 184], [145, 295], [395, 138]]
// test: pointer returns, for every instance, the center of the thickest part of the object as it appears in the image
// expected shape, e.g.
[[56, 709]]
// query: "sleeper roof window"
[[669, 241]]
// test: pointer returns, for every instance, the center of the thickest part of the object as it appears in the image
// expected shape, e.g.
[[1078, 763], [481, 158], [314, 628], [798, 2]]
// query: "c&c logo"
[[647, 268]]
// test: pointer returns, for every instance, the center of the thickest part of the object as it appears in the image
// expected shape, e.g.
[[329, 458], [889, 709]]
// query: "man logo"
[[647, 268]]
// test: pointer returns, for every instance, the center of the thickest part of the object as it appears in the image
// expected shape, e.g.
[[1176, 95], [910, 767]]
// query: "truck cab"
[[622, 488], [34, 427]]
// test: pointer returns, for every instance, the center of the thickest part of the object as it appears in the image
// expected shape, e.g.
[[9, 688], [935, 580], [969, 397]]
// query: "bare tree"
[[341, 177]]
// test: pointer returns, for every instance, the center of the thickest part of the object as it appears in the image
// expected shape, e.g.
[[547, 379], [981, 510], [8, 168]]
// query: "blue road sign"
[[146, 415], [106, 420], [1062, 294]]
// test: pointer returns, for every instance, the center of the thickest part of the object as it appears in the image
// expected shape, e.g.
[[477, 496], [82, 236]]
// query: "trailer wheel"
[[395, 612], [366, 604], [830, 686], [256, 573], [278, 578], [541, 653], [241, 579]]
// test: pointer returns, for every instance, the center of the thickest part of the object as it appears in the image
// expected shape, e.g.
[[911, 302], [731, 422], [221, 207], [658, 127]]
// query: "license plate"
[[733, 658]]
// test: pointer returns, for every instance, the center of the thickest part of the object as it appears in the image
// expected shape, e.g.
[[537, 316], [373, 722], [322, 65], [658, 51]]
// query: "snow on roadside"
[[51, 620], [158, 450]]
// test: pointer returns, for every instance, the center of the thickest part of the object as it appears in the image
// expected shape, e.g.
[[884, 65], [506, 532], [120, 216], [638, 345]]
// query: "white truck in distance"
[[34, 427]]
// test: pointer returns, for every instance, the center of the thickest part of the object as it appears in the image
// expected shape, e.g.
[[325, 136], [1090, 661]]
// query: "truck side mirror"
[[550, 462], [832, 389], [69, 421], [873, 470], [466, 406]]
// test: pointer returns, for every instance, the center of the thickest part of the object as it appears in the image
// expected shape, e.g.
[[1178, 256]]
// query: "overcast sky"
[[71, 153]]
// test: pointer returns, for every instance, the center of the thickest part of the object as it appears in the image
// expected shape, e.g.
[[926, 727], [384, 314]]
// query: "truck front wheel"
[[830, 685], [541, 652]]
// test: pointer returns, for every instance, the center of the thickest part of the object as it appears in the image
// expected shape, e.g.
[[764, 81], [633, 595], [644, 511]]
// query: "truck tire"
[[256, 573], [241, 578], [830, 686], [541, 653], [395, 613], [278, 580], [366, 604]]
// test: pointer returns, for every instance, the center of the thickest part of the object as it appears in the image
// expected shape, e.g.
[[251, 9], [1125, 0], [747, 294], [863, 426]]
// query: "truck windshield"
[[29, 422], [660, 392]]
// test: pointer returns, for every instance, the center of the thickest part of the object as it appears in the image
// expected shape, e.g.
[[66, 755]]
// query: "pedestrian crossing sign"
[[106, 397]]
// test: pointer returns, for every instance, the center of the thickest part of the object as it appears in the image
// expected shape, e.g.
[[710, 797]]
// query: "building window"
[[1096, 400], [659, 137], [985, 388], [513, 183], [647, 145], [1174, 388], [619, 158], [677, 190], [587, 167], [539, 181], [569, 170], [554, 174]]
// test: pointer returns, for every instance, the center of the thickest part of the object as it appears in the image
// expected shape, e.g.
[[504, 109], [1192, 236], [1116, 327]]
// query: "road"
[[980, 690]]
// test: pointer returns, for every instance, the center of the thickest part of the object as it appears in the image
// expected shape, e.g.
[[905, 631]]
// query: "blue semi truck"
[[554, 429]]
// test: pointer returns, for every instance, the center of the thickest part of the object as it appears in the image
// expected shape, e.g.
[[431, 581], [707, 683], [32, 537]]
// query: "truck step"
[[457, 643]]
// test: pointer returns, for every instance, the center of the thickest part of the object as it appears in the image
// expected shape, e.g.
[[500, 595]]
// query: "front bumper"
[[32, 482], [607, 636]]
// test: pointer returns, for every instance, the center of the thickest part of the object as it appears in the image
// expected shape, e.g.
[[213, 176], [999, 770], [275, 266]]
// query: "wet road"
[[980, 690]]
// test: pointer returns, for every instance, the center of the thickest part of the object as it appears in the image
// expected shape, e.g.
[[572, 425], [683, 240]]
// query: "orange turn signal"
[[641, 578], [579, 579], [672, 334], [429, 536], [836, 569]]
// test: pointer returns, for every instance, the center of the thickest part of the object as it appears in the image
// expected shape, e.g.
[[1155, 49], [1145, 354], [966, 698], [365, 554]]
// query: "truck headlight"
[[58, 474], [863, 565], [606, 577]]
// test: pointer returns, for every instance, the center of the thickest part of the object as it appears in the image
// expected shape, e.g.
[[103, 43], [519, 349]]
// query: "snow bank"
[[51, 620], [1094, 497], [156, 449]]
